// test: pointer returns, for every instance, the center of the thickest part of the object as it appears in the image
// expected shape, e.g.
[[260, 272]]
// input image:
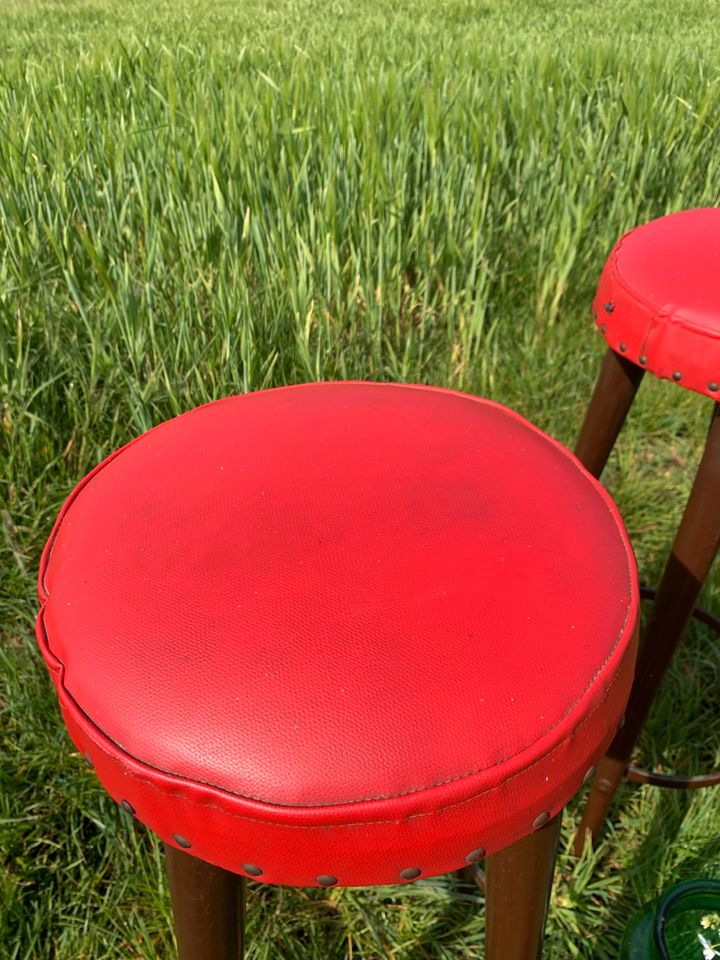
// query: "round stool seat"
[[658, 301], [348, 633]]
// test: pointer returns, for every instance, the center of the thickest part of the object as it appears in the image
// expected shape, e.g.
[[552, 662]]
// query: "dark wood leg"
[[614, 393], [519, 880], [693, 552], [209, 908]]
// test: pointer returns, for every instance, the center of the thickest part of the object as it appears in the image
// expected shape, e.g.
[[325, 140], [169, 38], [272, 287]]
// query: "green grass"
[[204, 198]]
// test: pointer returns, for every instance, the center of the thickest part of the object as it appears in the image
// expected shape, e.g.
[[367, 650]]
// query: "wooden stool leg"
[[693, 552], [209, 908], [519, 880], [614, 393]]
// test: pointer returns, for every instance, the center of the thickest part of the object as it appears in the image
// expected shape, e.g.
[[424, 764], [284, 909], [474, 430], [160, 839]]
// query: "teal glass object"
[[682, 924]]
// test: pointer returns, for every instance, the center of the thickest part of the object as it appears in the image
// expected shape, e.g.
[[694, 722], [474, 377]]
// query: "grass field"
[[204, 198]]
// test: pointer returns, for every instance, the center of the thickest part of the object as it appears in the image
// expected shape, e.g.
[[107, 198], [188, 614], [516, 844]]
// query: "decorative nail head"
[[326, 880], [475, 855]]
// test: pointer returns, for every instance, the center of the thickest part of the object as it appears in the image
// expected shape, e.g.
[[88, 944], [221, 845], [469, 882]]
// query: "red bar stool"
[[658, 307], [342, 633]]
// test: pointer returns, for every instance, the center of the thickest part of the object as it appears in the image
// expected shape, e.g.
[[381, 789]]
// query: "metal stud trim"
[[127, 807], [326, 880], [541, 820], [603, 328], [411, 873], [181, 841], [88, 761], [642, 358], [589, 775], [623, 347], [475, 855], [712, 386], [677, 376], [609, 307], [252, 870]]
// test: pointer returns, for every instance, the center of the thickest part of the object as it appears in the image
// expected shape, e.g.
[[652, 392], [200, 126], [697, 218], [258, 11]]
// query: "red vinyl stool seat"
[[658, 307], [658, 300], [340, 633]]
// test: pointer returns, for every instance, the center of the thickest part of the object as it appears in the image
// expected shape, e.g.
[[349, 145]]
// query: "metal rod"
[[670, 780], [474, 873]]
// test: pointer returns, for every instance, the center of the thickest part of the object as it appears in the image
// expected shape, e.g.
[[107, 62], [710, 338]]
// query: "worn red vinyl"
[[658, 301], [340, 632]]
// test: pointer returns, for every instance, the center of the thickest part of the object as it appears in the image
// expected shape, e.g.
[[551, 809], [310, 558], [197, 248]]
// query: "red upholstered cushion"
[[658, 301], [340, 630]]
